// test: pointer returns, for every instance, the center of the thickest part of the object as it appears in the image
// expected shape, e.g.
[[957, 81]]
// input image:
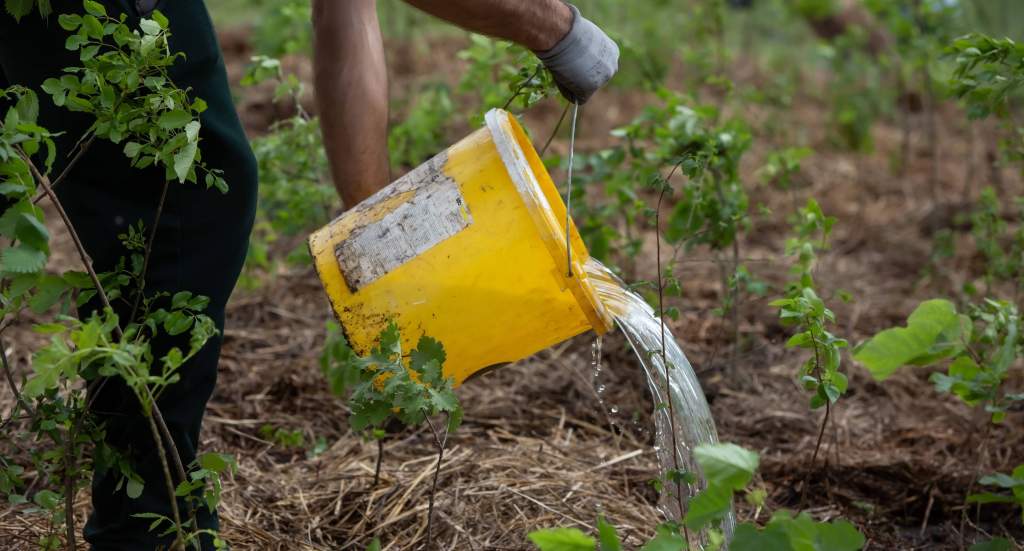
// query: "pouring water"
[[692, 423]]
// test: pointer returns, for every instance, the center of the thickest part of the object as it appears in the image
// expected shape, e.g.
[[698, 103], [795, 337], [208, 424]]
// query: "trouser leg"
[[175, 265]]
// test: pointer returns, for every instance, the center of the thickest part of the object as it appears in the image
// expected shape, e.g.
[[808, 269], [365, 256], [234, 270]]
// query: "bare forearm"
[[535, 24], [350, 80]]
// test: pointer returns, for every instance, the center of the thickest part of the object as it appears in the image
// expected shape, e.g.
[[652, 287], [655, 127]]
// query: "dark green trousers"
[[200, 245]]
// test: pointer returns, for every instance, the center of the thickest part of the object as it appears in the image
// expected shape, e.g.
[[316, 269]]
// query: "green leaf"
[[996, 544], [177, 323], [727, 465], [804, 533], [562, 539], [989, 497], [667, 539], [149, 27], [216, 462], [49, 328], [175, 119], [748, 537], [47, 499], [183, 160], [838, 535], [712, 504], [1002, 480], [160, 18], [607, 536], [32, 232], [369, 415], [889, 350], [427, 349], [455, 419], [69, 21], [92, 26], [192, 131], [28, 107], [131, 149], [443, 400], [95, 8], [50, 290], [374, 545], [134, 488], [18, 8], [180, 299], [22, 260], [73, 42]]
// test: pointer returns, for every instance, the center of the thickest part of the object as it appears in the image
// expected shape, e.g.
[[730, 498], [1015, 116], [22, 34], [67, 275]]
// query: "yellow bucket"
[[470, 249]]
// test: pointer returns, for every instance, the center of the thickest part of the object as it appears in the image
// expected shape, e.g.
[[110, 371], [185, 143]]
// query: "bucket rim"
[[516, 152]]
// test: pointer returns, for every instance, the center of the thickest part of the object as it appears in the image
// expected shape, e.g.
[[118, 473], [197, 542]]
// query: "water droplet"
[[615, 409], [600, 389]]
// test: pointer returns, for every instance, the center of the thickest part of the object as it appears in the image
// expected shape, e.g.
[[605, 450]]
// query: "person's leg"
[[200, 247]]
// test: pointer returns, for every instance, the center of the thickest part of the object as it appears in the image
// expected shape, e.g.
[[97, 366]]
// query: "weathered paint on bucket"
[[468, 248]]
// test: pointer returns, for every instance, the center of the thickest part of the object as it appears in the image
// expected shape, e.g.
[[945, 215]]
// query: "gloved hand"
[[583, 61]]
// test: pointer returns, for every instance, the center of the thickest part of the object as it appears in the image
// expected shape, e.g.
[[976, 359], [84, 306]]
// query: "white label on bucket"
[[434, 213]]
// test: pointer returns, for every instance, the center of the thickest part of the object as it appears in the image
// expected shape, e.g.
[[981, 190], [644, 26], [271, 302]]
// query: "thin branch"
[[167, 479], [10, 380], [67, 169], [69, 490], [554, 132], [664, 358], [380, 459], [149, 250], [824, 421], [437, 470], [522, 85], [44, 182]]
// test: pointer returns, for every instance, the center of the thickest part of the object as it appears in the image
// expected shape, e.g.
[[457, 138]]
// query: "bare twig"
[[69, 490], [44, 182], [380, 459], [437, 470], [554, 132], [149, 251], [664, 358], [10, 380], [168, 480], [67, 168]]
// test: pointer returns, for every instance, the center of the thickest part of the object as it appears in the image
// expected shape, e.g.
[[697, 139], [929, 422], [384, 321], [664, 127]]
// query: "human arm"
[[350, 77], [535, 24], [580, 56], [350, 81]]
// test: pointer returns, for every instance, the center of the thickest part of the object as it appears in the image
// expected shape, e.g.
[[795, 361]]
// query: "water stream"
[[694, 425]]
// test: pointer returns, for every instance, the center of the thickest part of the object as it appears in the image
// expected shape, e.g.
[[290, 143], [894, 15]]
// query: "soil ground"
[[540, 449]]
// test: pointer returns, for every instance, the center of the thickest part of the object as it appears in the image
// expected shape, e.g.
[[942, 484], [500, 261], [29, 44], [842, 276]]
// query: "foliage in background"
[[502, 74], [295, 192], [421, 132], [806, 311], [988, 75], [979, 348]]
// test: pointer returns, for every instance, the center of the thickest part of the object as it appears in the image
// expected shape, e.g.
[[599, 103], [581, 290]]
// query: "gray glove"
[[584, 61]]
